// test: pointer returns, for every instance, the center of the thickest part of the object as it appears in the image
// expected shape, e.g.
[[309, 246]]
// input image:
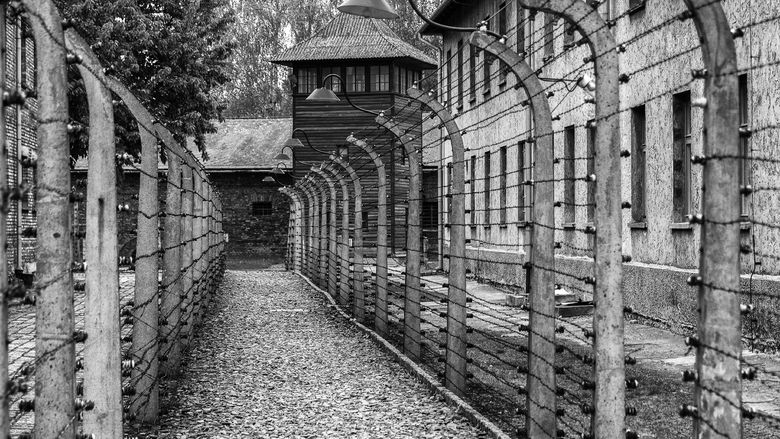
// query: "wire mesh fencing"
[[100, 325], [538, 302]]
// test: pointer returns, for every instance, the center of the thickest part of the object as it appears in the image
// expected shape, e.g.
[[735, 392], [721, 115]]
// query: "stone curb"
[[461, 407]]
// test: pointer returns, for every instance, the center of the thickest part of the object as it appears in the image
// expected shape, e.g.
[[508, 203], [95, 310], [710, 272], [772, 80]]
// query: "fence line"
[[574, 376]]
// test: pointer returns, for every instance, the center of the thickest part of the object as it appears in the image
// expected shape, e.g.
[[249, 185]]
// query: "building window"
[[400, 80], [744, 142], [520, 36], [487, 188], [681, 156], [429, 215], [449, 189], [332, 83], [486, 62], [472, 73], [568, 35], [636, 5], [262, 208], [638, 157], [521, 177], [568, 176], [380, 78], [549, 33], [502, 185], [503, 13], [307, 80], [589, 185], [356, 79], [365, 219], [460, 74], [472, 186], [448, 92]]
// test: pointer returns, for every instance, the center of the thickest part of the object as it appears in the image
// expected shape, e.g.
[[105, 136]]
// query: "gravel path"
[[273, 360]]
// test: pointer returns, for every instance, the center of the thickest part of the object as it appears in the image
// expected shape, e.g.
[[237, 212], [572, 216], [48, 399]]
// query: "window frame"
[[683, 205], [502, 185], [743, 96], [267, 208], [472, 73], [358, 77], [549, 34], [473, 189], [639, 164], [486, 189], [569, 196], [590, 168], [460, 74], [380, 82]]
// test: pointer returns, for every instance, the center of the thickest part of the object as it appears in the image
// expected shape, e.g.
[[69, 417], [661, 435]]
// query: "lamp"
[[381, 9], [369, 8], [324, 94], [269, 179]]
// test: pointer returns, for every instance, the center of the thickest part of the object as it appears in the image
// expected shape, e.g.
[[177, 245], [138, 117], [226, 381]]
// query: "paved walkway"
[[273, 360]]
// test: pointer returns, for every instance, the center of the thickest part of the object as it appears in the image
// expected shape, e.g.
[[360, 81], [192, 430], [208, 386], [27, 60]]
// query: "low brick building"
[[240, 156]]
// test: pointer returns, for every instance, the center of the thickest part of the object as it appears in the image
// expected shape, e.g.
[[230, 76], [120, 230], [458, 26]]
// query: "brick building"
[[240, 156], [659, 125], [21, 142]]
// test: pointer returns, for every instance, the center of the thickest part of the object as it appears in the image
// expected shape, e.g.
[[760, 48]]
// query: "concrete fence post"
[[144, 404], [344, 244], [102, 356], [308, 212], [456, 370], [5, 421], [359, 299], [185, 302], [412, 290], [54, 346], [609, 395], [332, 241], [541, 385], [380, 307], [719, 387], [170, 306], [314, 226]]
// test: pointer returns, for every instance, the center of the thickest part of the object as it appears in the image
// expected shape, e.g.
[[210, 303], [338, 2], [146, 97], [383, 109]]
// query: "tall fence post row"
[[102, 356], [170, 306], [186, 254], [359, 300], [541, 383], [306, 212], [144, 403], [330, 219], [718, 390], [343, 245], [608, 325], [5, 420], [380, 305], [412, 283], [55, 371], [314, 227], [456, 372]]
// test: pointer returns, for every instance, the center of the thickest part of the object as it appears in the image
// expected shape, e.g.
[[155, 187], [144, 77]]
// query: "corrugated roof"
[[238, 144], [351, 37], [246, 143]]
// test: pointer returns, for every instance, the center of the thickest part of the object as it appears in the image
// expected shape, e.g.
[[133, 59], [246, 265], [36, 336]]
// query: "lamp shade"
[[292, 143], [277, 171], [269, 179], [369, 8], [323, 94], [283, 156]]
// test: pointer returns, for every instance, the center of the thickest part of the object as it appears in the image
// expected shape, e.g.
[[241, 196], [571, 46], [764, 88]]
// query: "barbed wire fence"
[[96, 332], [534, 369]]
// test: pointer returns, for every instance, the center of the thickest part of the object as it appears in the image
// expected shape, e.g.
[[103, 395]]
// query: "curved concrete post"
[[332, 238], [5, 420], [308, 221], [144, 405], [197, 251], [185, 302], [314, 227], [54, 324], [102, 353], [288, 261], [541, 403], [455, 372], [719, 388], [380, 307], [170, 349], [322, 233], [344, 244], [359, 299], [412, 291], [608, 325], [297, 226]]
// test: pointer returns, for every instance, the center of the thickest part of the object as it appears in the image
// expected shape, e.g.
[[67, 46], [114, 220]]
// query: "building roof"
[[442, 15], [349, 37], [245, 144], [238, 145]]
